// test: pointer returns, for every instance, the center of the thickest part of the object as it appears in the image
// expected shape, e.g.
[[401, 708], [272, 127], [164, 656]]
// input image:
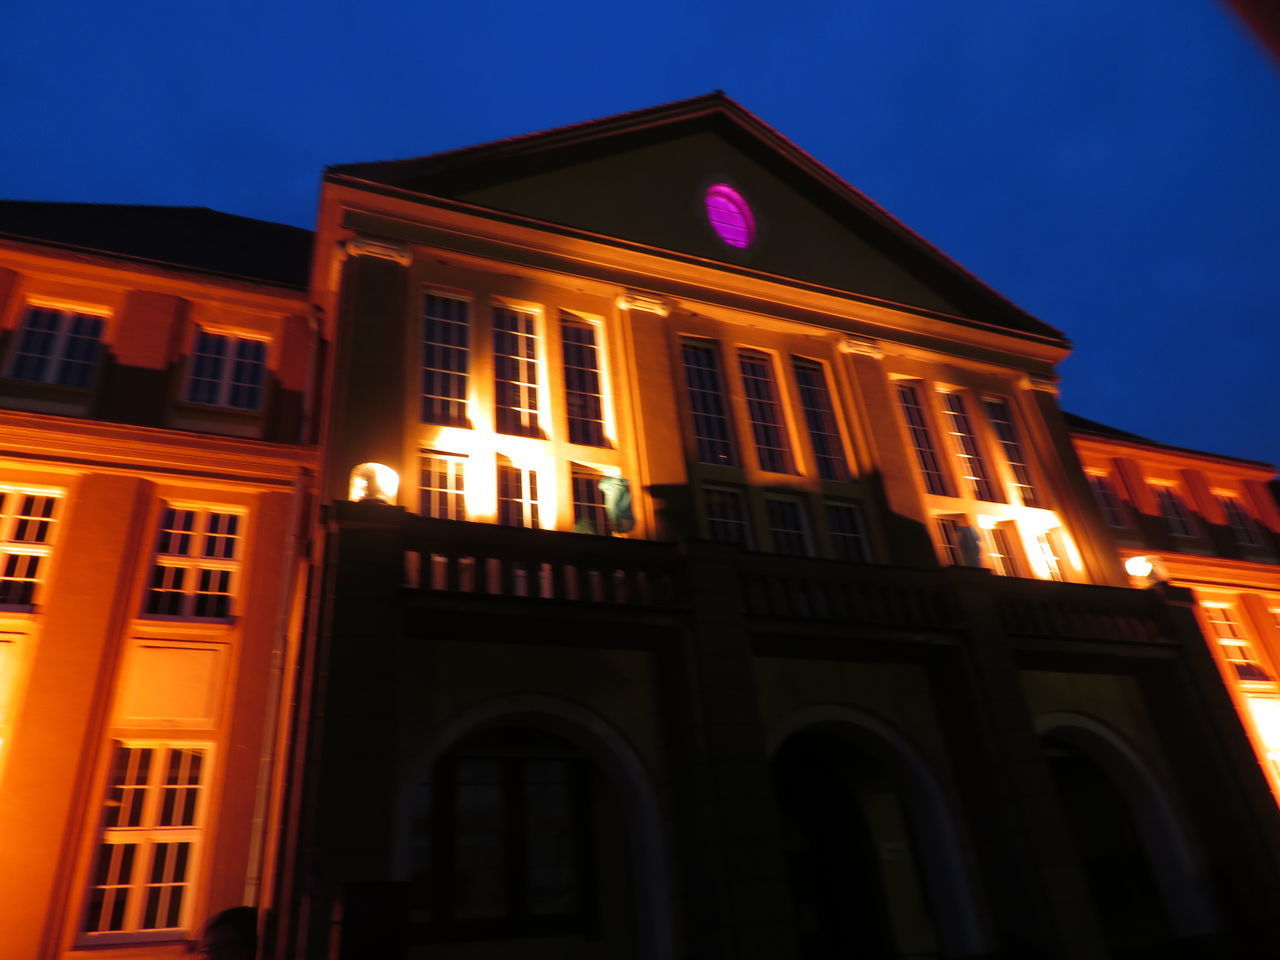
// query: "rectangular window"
[[973, 466], [1049, 547], [583, 394], [727, 516], [26, 534], [517, 495], [441, 492], [712, 433], [788, 527], [1174, 510], [997, 545], [1236, 648], [849, 539], [515, 372], [446, 348], [56, 346], [1000, 415], [1242, 525], [773, 451], [953, 532], [589, 513], [820, 418], [145, 862], [935, 480], [227, 371], [1105, 493], [197, 557]]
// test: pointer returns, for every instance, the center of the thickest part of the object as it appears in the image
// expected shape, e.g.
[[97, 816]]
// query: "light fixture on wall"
[[374, 481], [1143, 567]]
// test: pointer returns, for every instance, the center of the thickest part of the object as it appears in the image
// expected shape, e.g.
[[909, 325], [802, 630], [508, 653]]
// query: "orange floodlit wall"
[[152, 499], [1210, 524]]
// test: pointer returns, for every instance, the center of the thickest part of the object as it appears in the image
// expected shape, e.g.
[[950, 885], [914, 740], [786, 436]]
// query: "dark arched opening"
[[1113, 854], [852, 853], [523, 843]]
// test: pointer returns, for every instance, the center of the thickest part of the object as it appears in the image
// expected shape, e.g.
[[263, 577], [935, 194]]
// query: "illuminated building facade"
[[155, 389], [742, 594], [1207, 523]]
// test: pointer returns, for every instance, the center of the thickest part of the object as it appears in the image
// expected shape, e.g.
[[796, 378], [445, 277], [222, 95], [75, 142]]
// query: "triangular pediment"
[[644, 177]]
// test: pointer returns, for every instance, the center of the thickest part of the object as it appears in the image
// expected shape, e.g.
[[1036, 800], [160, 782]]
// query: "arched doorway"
[[1109, 844], [551, 816], [852, 852], [1133, 849]]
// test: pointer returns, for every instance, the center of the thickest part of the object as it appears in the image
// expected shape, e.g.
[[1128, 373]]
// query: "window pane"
[[550, 838], [446, 344], [33, 358], [515, 372], [517, 496], [1242, 525], [208, 368], [589, 513], [583, 395], [848, 533], [727, 517], [788, 528], [922, 440], [773, 450], [1176, 518], [1108, 502], [440, 486], [815, 401], [79, 350], [1001, 417], [973, 466], [479, 882], [711, 431], [247, 375]]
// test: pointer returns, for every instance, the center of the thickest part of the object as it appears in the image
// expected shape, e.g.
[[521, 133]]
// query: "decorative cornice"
[[642, 301], [383, 249], [1047, 385], [862, 347]]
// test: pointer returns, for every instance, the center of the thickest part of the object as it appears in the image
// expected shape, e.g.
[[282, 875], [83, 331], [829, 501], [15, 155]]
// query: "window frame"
[[454, 494], [523, 419], [225, 382], [57, 357], [1239, 520], [146, 836], [804, 532], [864, 548], [463, 419], [745, 523], [1167, 495], [1111, 503], [729, 455], [10, 519], [1239, 639], [766, 416], [195, 563], [572, 320], [530, 507], [935, 479], [967, 449], [515, 919], [830, 464]]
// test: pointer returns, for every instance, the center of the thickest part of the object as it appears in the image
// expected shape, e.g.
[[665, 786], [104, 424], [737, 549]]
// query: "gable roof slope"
[[455, 173], [195, 238]]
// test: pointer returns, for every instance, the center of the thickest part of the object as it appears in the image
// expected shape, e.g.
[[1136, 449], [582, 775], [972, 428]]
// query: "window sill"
[[193, 621]]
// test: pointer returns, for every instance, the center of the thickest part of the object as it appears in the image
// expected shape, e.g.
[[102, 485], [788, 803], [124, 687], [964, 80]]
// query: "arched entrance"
[[531, 830], [1132, 849], [852, 852]]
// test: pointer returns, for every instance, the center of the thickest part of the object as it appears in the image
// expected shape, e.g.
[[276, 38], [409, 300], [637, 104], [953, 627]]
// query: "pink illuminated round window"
[[729, 216]]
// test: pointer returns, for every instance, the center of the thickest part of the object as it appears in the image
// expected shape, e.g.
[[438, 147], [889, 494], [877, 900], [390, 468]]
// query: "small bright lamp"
[[374, 481]]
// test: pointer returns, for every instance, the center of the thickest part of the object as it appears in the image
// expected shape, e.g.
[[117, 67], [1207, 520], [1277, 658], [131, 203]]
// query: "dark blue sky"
[[1113, 167]]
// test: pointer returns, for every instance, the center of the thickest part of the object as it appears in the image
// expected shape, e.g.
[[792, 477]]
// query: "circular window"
[[729, 216]]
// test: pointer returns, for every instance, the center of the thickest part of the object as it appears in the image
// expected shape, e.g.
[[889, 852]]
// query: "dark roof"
[[194, 238], [458, 171], [1079, 424]]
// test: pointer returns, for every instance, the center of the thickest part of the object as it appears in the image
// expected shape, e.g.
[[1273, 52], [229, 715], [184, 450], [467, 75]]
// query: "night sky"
[[1112, 167]]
